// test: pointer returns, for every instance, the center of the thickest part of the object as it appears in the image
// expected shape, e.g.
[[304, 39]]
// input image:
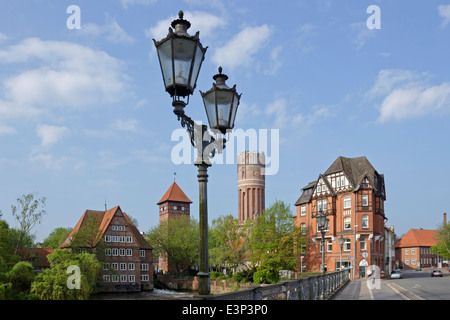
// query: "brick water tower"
[[251, 184]]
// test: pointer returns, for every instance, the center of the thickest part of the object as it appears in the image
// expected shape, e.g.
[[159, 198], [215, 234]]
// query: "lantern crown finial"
[[180, 25]]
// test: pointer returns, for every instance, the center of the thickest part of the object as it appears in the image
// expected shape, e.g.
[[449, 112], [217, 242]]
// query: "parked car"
[[396, 274], [436, 273]]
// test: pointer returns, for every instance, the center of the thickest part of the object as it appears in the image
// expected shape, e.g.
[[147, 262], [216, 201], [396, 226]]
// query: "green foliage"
[[56, 238], [52, 283], [442, 247], [21, 276], [267, 276], [179, 239], [274, 242]]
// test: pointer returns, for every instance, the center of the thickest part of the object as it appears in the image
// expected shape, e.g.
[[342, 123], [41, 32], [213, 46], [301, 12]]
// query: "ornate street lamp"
[[322, 225], [181, 57]]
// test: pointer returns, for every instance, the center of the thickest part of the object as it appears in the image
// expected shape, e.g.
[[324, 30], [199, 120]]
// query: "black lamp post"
[[341, 243], [181, 57], [322, 225]]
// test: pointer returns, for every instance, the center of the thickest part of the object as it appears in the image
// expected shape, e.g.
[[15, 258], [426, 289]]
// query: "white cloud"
[[57, 163], [204, 22], [363, 34], [51, 134], [282, 115], [126, 3], [64, 75], [6, 130], [444, 12], [407, 94], [129, 125], [242, 48], [111, 31]]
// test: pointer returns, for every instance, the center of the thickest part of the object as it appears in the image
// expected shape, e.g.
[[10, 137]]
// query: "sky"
[[84, 117]]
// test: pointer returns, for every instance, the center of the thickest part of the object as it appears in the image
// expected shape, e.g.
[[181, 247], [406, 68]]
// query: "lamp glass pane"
[[223, 108], [183, 53], [234, 111], [210, 107], [165, 59], [197, 65]]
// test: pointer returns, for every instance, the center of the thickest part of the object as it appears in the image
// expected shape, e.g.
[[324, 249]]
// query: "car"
[[396, 274], [436, 273]]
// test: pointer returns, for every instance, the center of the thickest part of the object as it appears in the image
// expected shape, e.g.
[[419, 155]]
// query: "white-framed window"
[[413, 251], [115, 278], [132, 278], [114, 239], [106, 278], [115, 252], [413, 261], [303, 210], [107, 238], [347, 223], [144, 277], [347, 202], [319, 189], [303, 228], [347, 244], [362, 244], [129, 252], [131, 266], [122, 252], [144, 266], [142, 253], [105, 266], [365, 221], [108, 251], [114, 266], [329, 246], [123, 266], [182, 208], [123, 278], [365, 200], [406, 251], [324, 204]]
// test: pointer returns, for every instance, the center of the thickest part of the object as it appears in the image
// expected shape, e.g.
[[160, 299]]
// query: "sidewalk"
[[354, 290]]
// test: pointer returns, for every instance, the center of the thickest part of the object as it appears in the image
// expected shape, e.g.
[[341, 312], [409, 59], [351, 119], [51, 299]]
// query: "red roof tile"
[[418, 238], [174, 194]]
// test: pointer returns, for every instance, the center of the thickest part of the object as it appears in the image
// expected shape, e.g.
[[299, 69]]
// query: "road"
[[415, 285]]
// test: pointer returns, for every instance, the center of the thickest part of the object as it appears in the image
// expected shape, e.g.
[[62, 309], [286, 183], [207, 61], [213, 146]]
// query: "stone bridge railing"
[[318, 287]]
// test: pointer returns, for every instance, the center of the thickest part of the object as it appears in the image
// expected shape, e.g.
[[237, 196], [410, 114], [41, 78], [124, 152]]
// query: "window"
[[365, 200], [142, 253], [132, 278], [347, 223], [144, 267], [131, 266], [122, 252], [347, 202], [319, 205], [106, 278], [406, 251], [123, 278], [144, 277], [115, 251], [347, 245], [413, 251], [319, 189], [114, 266], [362, 242], [105, 266], [324, 188], [123, 266], [129, 252], [303, 229], [329, 246], [115, 278], [107, 238], [324, 204], [365, 221], [303, 210], [108, 251]]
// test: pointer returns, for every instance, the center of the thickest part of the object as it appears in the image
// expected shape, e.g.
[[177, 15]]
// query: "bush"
[[267, 276], [216, 274]]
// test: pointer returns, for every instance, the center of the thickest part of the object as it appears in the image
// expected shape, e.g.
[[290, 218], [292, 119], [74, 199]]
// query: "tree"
[[89, 239], [28, 212], [52, 284], [228, 241], [274, 241], [21, 276], [177, 238], [56, 238], [442, 247]]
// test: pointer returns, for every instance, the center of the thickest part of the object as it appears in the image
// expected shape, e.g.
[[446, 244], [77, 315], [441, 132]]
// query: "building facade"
[[351, 193], [251, 184], [172, 205], [127, 264], [413, 251]]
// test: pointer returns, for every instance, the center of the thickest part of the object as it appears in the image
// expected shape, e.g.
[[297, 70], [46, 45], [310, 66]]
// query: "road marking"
[[405, 294]]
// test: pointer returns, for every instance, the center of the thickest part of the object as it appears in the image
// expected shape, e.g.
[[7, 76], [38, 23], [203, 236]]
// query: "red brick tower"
[[172, 205], [251, 184]]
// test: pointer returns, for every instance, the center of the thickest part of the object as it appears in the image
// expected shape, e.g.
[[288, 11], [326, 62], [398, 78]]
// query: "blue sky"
[[84, 115]]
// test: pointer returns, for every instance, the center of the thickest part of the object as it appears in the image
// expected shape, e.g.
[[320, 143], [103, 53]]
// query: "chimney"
[[445, 218]]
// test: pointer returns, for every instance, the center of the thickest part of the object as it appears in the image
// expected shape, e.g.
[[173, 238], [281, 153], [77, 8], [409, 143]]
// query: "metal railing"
[[319, 287]]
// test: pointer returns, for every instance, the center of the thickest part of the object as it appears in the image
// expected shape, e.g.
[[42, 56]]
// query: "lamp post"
[[341, 243], [322, 225], [181, 57]]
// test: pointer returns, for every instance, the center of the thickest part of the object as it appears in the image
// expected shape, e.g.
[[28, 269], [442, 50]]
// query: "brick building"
[[173, 204], [351, 193], [251, 184], [414, 250], [128, 258]]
